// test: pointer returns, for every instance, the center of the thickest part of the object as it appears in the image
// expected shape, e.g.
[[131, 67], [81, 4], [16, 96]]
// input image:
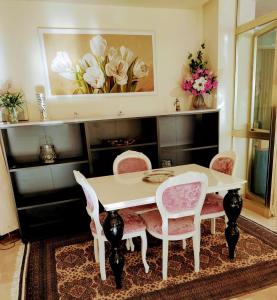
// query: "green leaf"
[[114, 88], [130, 74], [134, 86]]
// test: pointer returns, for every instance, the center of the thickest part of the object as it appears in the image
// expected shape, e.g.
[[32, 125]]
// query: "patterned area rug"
[[65, 268]]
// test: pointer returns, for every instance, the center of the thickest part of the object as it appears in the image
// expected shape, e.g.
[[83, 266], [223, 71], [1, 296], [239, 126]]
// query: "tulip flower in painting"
[[103, 70]]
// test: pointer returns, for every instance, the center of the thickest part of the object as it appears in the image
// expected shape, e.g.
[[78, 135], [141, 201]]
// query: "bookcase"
[[47, 198]]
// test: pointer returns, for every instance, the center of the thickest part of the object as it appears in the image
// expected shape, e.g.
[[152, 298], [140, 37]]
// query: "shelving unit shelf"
[[74, 160], [48, 200]]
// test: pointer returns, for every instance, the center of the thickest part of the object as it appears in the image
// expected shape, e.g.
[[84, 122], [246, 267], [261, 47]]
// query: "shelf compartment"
[[51, 198], [63, 161], [43, 222], [187, 147], [96, 148]]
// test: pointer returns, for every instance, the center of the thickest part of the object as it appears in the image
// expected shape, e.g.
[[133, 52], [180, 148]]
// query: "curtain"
[[273, 196], [263, 89]]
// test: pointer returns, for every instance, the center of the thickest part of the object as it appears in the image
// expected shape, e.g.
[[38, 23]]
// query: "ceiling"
[[181, 4]]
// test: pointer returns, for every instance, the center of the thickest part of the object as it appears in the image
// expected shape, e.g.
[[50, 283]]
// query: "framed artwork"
[[89, 62]]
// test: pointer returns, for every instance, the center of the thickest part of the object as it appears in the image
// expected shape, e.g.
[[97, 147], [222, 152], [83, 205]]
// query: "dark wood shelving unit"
[[48, 200], [37, 164], [54, 197], [95, 148], [190, 147]]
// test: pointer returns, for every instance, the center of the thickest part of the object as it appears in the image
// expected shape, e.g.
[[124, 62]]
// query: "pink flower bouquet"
[[201, 80]]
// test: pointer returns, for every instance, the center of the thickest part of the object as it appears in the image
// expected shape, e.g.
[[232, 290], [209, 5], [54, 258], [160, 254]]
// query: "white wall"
[[219, 24], [210, 34], [226, 70], [177, 32]]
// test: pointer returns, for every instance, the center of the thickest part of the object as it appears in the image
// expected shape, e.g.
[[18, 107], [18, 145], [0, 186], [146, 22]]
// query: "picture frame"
[[89, 62]]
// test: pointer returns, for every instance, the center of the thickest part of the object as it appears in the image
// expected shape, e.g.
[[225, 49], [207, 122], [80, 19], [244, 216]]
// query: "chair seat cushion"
[[132, 222], [178, 226], [213, 203], [141, 209]]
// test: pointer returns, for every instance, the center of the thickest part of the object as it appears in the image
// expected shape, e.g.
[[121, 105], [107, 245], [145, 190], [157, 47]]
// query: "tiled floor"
[[10, 269]]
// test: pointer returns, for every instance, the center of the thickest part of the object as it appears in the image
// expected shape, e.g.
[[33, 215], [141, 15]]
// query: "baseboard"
[[257, 207]]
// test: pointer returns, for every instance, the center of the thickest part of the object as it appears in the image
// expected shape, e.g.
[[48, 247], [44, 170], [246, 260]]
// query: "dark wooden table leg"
[[113, 228], [232, 204]]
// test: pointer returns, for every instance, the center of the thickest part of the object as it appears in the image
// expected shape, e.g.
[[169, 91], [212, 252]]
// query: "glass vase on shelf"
[[198, 102], [12, 115]]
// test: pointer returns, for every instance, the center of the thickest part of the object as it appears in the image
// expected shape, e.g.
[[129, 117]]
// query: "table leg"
[[232, 204], [113, 228]]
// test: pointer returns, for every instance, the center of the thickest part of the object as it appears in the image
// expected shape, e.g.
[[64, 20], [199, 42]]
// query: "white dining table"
[[131, 189]]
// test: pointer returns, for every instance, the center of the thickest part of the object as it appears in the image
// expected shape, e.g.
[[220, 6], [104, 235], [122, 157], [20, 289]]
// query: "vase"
[[198, 102], [12, 115], [48, 154]]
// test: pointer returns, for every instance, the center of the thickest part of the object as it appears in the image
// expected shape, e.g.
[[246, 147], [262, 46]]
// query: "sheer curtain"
[[263, 95]]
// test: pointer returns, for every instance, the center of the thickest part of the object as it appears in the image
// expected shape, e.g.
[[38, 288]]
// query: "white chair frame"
[[99, 238], [130, 154], [229, 154], [125, 155], [185, 178]]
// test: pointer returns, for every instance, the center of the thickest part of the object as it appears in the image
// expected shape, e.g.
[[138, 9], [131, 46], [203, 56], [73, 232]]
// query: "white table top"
[[127, 190]]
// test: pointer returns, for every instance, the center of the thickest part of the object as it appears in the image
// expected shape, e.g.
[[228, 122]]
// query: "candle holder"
[[42, 106]]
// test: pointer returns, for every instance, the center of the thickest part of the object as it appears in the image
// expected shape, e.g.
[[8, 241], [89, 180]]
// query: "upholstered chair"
[[179, 200], [129, 162], [133, 225], [213, 205]]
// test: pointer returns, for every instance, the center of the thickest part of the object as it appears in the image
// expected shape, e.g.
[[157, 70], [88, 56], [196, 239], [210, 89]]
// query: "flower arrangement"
[[201, 81], [104, 70], [11, 101]]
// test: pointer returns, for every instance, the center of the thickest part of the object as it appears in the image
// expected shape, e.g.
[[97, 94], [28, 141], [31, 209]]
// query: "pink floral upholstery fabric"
[[90, 200], [178, 226], [141, 209], [224, 165], [213, 203], [130, 165], [181, 197], [132, 222]]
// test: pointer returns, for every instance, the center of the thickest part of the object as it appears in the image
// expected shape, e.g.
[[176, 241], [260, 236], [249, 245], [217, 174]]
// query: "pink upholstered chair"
[[179, 200], [133, 226], [129, 162], [213, 205]]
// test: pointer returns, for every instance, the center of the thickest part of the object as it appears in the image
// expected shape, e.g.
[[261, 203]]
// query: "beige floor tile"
[[10, 266]]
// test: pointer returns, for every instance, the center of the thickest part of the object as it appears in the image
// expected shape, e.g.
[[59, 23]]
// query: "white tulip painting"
[[82, 62]]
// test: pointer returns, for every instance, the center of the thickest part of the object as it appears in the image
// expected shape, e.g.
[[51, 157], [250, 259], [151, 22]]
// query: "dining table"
[[121, 191]]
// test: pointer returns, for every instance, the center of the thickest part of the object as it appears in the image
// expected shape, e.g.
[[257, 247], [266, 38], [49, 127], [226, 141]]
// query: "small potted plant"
[[11, 102]]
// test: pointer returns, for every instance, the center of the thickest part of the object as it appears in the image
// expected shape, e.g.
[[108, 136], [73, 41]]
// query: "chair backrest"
[[180, 196], [92, 199], [131, 161], [224, 162]]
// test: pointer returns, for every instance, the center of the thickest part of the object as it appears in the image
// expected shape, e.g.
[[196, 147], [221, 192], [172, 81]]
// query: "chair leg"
[[143, 251], [101, 244], [132, 245], [184, 244], [196, 252], [213, 226], [128, 244], [96, 251], [165, 258]]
